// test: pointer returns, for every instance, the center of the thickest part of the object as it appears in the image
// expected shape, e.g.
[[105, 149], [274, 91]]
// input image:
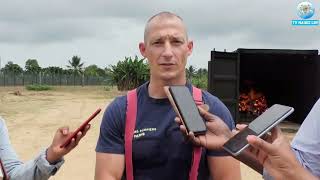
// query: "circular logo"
[[305, 10]]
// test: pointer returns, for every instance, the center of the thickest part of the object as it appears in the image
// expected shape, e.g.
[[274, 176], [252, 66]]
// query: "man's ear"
[[190, 47], [142, 48]]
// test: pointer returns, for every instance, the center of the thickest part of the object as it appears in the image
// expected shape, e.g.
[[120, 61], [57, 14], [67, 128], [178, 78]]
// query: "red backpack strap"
[[197, 150], [131, 116], [197, 95]]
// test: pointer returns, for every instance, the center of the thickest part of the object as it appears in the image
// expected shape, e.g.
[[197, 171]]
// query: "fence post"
[[4, 79], [82, 79], [40, 78], [14, 78], [51, 79], [60, 78]]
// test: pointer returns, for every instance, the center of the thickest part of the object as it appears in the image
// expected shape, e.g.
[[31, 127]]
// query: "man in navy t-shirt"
[[159, 149]]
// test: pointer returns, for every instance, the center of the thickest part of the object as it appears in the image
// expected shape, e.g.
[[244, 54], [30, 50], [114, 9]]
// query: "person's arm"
[[36, 169], [109, 166], [110, 163], [299, 173], [217, 134], [224, 167], [277, 158], [44, 165], [274, 154], [246, 156], [221, 164]]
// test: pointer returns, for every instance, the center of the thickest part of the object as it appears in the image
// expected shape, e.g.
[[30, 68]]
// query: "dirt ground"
[[33, 118]]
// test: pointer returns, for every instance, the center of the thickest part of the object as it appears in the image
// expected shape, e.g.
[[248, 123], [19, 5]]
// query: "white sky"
[[102, 31]]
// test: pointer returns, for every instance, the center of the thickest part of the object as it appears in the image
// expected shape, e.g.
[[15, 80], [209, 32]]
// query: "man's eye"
[[157, 42], [177, 42]]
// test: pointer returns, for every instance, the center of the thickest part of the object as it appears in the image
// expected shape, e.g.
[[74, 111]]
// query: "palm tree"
[[13, 68], [76, 66], [32, 67], [54, 71], [190, 72]]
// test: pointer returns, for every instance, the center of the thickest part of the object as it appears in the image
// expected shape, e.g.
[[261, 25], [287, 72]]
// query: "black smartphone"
[[258, 127], [185, 107]]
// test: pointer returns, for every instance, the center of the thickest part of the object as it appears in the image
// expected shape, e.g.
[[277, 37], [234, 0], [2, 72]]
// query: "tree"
[[94, 70], [202, 72], [53, 71], [32, 66], [200, 78], [129, 73], [67, 72], [190, 72], [10, 67], [76, 66], [200, 82], [13, 68]]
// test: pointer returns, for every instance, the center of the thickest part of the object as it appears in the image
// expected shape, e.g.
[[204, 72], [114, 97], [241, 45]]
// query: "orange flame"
[[252, 102]]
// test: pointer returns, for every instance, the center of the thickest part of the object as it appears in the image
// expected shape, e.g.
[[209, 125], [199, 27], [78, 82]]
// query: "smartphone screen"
[[258, 127], [187, 109], [81, 128]]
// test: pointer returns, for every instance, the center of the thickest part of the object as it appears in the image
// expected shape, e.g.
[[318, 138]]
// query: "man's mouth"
[[166, 64]]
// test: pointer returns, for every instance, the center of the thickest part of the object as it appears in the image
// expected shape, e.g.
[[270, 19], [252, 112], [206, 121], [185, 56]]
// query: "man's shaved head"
[[161, 16], [167, 48]]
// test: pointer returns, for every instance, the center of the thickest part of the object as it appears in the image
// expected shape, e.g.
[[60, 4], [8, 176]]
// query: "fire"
[[252, 102]]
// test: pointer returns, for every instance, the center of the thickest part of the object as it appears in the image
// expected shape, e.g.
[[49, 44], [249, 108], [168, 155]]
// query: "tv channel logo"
[[305, 11]]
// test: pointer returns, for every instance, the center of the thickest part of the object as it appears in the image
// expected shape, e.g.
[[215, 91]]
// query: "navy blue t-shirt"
[[159, 149]]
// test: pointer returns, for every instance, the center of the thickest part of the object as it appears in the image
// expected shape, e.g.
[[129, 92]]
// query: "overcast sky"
[[103, 32]]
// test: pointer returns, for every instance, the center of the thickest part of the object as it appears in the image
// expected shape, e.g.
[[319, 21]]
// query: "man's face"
[[166, 47]]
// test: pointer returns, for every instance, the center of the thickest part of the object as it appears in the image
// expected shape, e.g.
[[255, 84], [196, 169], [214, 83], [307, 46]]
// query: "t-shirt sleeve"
[[307, 138], [217, 108], [111, 137]]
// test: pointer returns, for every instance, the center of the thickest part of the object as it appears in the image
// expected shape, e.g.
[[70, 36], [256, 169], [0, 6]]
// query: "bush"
[[129, 73], [200, 82], [107, 88], [38, 87]]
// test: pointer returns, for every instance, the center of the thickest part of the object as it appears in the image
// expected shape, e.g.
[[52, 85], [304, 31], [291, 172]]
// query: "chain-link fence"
[[54, 79]]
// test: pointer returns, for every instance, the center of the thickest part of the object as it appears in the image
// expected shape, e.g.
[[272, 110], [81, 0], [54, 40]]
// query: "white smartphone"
[[258, 127]]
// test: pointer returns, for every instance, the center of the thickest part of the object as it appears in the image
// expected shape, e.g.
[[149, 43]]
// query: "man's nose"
[[167, 52]]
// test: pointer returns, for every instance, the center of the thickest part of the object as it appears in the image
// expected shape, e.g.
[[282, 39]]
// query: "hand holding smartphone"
[[258, 127], [81, 128], [185, 107]]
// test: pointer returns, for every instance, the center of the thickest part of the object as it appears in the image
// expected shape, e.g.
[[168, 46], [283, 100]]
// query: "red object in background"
[[252, 102]]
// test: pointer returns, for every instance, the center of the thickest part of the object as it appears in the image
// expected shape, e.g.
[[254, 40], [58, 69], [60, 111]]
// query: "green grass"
[[107, 88], [38, 87]]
